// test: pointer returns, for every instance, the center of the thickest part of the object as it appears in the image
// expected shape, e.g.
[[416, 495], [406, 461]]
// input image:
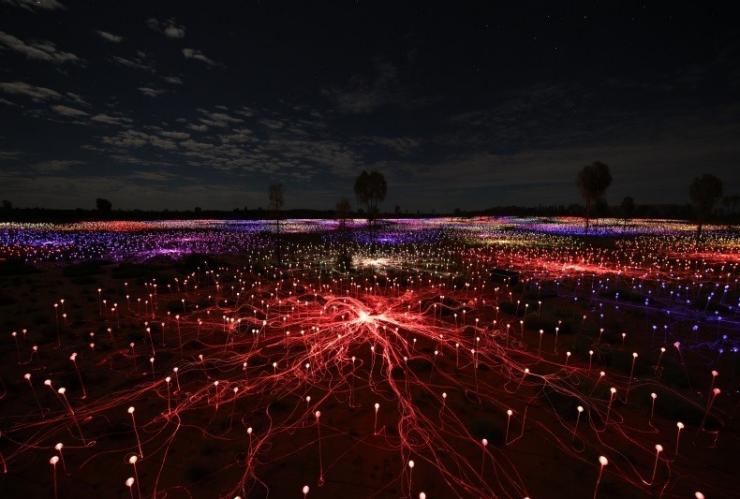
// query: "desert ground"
[[437, 358]]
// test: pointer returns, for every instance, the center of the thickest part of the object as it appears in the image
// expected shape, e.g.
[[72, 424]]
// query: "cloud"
[[315, 153], [198, 56], [53, 165], [175, 135], [139, 61], [20, 169], [218, 119], [136, 139], [68, 111], [151, 92], [110, 120], [169, 28], [37, 94], [281, 147], [175, 80], [238, 151], [9, 155], [76, 98], [401, 146], [39, 50], [110, 37], [272, 123], [43, 94], [36, 4], [237, 136], [7, 102], [362, 95], [152, 176]]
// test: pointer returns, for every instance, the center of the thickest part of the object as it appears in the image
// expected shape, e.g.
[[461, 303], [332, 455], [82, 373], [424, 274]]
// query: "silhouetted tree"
[[276, 204], [198, 209], [370, 189], [342, 210], [704, 192], [593, 181], [628, 209], [103, 205], [600, 209], [7, 205]]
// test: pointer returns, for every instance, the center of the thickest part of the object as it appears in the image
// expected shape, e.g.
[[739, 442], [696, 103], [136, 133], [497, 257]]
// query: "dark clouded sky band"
[[172, 106]]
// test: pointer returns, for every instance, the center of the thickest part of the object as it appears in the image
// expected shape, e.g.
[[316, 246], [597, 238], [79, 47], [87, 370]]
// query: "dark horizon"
[[168, 106]]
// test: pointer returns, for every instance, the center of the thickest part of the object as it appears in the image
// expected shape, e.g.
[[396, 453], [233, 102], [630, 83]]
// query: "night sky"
[[168, 105]]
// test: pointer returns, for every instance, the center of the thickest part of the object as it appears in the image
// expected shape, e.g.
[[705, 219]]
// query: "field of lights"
[[431, 358]]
